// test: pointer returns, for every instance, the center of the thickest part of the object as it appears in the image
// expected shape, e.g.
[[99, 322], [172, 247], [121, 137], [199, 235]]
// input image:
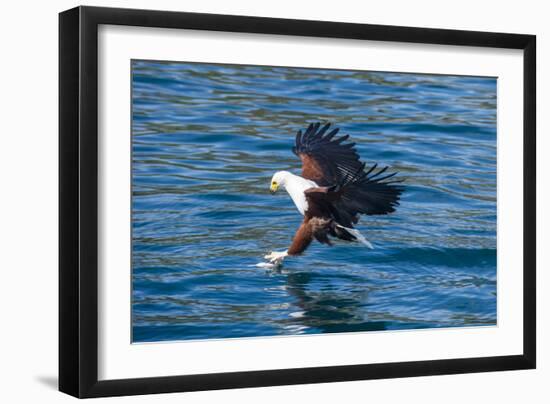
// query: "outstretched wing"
[[326, 159], [363, 193]]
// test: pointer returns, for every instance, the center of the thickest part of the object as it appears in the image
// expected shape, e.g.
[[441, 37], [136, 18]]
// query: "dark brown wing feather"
[[326, 159], [363, 193]]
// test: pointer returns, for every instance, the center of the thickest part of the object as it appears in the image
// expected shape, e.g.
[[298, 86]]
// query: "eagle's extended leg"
[[302, 239]]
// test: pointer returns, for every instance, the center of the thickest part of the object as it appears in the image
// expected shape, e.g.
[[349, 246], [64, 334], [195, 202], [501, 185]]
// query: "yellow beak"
[[274, 187]]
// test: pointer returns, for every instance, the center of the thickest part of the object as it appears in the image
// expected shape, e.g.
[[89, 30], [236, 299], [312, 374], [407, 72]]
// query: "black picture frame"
[[78, 201]]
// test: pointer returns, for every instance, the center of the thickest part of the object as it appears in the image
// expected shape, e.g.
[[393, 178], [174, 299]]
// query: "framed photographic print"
[[251, 201]]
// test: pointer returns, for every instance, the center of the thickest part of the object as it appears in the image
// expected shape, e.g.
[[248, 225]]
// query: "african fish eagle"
[[333, 190]]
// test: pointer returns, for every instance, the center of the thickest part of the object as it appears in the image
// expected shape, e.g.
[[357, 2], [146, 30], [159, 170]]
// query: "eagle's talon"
[[276, 257]]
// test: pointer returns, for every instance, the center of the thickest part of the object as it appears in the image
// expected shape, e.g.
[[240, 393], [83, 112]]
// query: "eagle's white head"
[[280, 179], [294, 185]]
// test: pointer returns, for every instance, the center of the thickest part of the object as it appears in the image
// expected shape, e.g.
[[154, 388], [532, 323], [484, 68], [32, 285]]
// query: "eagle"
[[333, 190]]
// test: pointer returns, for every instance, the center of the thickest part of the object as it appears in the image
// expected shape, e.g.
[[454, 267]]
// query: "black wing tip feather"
[[372, 176], [316, 135], [374, 194]]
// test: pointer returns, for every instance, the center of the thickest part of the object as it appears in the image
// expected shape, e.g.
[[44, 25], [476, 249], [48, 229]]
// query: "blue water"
[[206, 141]]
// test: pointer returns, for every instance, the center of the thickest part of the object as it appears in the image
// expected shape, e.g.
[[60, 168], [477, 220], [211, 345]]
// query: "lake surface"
[[206, 141]]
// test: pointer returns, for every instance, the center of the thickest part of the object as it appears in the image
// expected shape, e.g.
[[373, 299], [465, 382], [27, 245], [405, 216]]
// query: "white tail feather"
[[357, 234]]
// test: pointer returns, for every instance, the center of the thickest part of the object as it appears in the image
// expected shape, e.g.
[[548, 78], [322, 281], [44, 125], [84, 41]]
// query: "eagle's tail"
[[349, 234]]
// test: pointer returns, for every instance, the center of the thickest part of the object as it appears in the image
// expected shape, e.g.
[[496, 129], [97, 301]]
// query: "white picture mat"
[[118, 358]]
